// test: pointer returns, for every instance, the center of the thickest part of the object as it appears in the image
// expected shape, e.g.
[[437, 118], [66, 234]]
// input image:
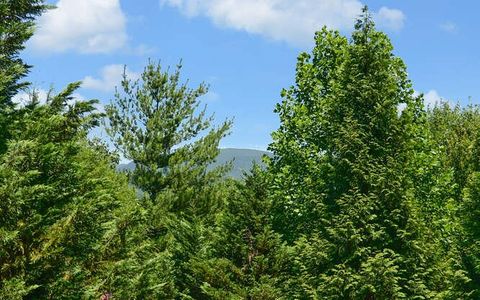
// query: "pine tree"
[[156, 123], [341, 160]]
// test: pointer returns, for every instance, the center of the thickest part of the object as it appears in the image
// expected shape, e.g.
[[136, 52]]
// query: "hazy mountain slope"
[[242, 160]]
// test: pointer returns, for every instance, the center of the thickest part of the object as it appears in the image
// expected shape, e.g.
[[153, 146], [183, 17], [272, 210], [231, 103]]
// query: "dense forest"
[[367, 194]]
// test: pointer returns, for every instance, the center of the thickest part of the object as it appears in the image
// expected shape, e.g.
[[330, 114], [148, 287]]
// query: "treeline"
[[368, 194]]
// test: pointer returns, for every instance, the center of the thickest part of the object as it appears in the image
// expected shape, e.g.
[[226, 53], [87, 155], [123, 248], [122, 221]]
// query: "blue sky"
[[245, 49]]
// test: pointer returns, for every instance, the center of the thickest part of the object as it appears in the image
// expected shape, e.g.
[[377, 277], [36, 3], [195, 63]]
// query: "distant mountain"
[[126, 167], [243, 160]]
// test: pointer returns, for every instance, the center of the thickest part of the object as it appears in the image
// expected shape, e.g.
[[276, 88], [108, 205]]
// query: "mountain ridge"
[[242, 160]]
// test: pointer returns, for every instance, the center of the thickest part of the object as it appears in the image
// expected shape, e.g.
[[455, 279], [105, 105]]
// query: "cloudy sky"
[[245, 49]]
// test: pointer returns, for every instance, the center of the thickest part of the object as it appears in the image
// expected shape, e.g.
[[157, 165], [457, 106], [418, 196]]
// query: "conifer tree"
[[468, 241], [341, 160], [16, 27], [58, 196], [245, 258], [450, 206], [455, 135], [57, 189], [156, 122], [454, 132]]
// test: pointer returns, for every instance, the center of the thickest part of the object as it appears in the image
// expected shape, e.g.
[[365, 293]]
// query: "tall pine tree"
[[156, 122]]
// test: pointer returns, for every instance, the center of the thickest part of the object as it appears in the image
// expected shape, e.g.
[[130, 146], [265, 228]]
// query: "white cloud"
[[23, 98], [111, 76], [449, 27], [432, 98], [86, 26], [389, 18], [293, 21]]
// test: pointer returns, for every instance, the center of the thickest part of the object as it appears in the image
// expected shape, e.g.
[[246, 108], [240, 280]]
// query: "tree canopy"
[[367, 194]]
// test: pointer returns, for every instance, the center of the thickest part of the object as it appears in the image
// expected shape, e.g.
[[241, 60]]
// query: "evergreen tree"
[[245, 259], [454, 131], [155, 122], [133, 265], [58, 196], [455, 137], [469, 239], [16, 27], [341, 160], [367, 195]]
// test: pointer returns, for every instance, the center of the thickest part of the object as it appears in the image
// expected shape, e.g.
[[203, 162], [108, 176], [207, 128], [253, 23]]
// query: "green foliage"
[[462, 152], [470, 246], [367, 195], [454, 131], [243, 259], [58, 196], [16, 27], [450, 212], [155, 122], [341, 161]]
